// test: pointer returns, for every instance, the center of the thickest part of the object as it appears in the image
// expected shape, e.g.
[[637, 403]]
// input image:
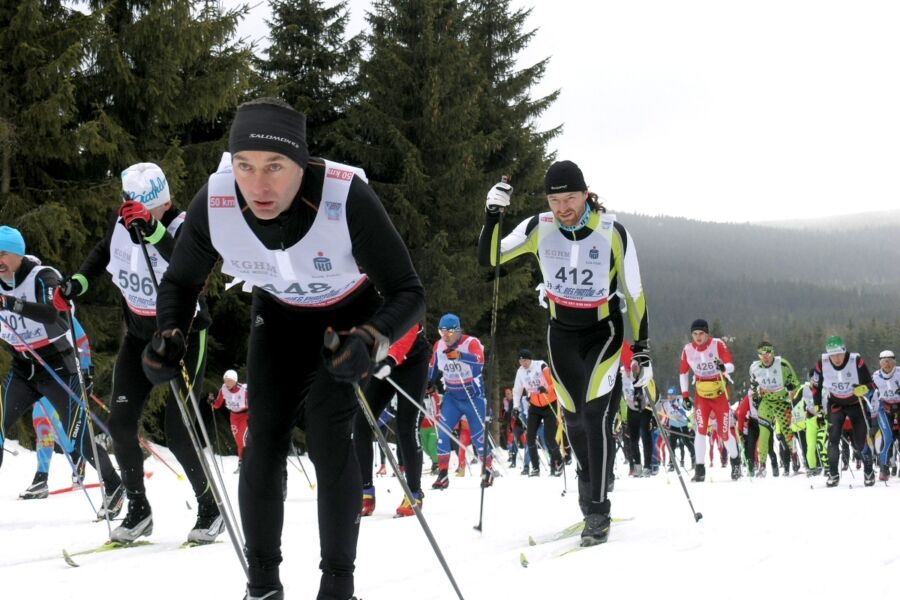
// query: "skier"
[[887, 407], [710, 361], [589, 266], [845, 376], [28, 311], [677, 423], [772, 383], [149, 214], [49, 430], [407, 365], [805, 423], [460, 359], [314, 245], [638, 425], [233, 396], [533, 378]]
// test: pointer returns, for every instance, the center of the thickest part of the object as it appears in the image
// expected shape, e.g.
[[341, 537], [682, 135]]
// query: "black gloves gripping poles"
[[162, 356], [350, 358]]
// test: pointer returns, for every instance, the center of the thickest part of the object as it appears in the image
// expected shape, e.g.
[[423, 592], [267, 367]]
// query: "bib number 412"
[[565, 275]]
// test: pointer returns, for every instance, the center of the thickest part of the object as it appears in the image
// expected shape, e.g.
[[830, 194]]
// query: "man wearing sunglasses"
[[459, 358], [772, 384]]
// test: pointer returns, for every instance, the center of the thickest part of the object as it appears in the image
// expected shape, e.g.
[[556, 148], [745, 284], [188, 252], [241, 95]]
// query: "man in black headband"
[[316, 248], [589, 267]]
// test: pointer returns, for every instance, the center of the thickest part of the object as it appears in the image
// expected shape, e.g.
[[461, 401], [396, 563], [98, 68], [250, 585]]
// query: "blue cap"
[[11, 241], [449, 321], [671, 391]]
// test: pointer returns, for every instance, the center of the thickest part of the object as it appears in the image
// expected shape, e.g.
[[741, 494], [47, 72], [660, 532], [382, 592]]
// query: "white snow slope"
[[757, 537]]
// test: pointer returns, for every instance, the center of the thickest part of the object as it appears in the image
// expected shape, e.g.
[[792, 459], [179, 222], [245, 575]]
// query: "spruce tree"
[[310, 64]]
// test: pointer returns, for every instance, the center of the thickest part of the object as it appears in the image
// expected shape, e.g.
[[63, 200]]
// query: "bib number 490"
[[135, 283]]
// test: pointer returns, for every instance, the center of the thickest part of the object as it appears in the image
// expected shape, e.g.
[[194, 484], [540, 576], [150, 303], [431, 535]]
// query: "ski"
[[107, 547], [73, 488], [570, 531]]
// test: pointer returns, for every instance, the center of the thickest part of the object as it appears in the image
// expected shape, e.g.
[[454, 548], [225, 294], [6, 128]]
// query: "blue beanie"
[[11, 241], [449, 321]]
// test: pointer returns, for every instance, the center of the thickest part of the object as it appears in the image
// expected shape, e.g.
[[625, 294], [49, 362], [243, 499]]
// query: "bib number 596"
[[135, 283]]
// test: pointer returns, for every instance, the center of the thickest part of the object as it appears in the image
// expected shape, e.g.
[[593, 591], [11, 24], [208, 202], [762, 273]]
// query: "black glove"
[[429, 388], [720, 365], [351, 358], [162, 356], [687, 403], [542, 389], [211, 398]]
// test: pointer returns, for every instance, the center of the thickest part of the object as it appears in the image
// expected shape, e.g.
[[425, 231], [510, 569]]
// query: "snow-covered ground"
[[757, 537]]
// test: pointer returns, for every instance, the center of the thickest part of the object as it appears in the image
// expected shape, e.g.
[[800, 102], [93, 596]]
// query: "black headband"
[[270, 128]]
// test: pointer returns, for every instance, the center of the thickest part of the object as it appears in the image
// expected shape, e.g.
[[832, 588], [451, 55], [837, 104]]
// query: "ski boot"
[[115, 500], [556, 470], [435, 468], [654, 470], [736, 469], [814, 472], [596, 524], [869, 472], [761, 472], [671, 467], [38, 489], [209, 522], [524, 470], [645, 472], [634, 471], [884, 474], [487, 479], [138, 522], [833, 480], [535, 472], [368, 505], [699, 473], [442, 482], [775, 470], [406, 508]]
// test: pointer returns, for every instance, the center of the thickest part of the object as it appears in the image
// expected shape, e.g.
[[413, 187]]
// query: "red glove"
[[452, 354], [135, 214], [60, 302]]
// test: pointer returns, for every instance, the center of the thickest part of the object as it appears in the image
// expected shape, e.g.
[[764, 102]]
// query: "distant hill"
[[757, 281], [842, 223]]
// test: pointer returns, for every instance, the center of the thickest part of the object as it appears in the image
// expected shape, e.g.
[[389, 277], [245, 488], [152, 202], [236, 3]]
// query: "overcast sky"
[[719, 110]]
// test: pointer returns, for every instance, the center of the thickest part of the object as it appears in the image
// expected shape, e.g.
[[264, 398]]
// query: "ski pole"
[[492, 370], [440, 424], [373, 424], [216, 486], [90, 425], [312, 486], [662, 431], [30, 349], [13, 452], [143, 442]]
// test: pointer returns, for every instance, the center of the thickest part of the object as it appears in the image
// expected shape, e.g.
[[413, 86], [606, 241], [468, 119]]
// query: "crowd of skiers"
[[336, 335]]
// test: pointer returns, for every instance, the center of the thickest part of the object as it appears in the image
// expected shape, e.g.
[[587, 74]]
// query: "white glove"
[[383, 369], [499, 196]]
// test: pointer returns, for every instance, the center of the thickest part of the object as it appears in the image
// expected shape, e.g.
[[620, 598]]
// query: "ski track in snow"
[[774, 535]]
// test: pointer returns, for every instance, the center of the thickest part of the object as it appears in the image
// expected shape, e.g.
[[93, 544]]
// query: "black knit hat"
[[271, 125], [564, 176], [700, 325], [525, 354]]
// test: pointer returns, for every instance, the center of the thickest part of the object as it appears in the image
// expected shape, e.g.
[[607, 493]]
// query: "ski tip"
[[523, 560], [68, 559], [531, 541]]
